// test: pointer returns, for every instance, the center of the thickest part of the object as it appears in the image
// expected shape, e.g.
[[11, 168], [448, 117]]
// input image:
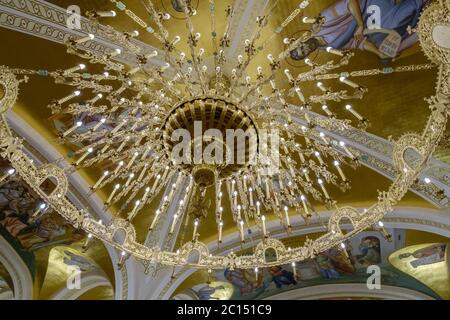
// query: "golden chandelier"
[[289, 158]]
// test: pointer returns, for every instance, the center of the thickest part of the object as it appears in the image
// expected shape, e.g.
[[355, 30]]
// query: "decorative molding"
[[48, 21], [20, 275], [376, 154], [353, 290]]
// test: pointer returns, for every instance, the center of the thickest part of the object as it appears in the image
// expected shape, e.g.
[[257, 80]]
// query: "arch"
[[194, 256], [20, 275], [414, 218], [188, 248], [354, 290], [121, 224], [52, 172], [334, 224]]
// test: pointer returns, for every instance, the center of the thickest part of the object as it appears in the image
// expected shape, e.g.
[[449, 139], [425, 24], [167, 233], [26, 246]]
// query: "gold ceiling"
[[395, 101]]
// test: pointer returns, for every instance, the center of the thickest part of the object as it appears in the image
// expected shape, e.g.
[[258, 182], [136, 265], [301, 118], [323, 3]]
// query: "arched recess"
[[18, 270], [353, 290], [414, 218]]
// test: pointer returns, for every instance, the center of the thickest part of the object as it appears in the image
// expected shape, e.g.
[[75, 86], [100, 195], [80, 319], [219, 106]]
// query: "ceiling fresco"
[[334, 266]]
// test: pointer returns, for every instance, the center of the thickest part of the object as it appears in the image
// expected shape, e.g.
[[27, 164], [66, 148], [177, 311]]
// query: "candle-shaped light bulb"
[[334, 51], [327, 111], [288, 74], [89, 37], [69, 97], [116, 52], [73, 128], [344, 146], [309, 62], [220, 231], [305, 206], [355, 113], [165, 67], [286, 213], [270, 57], [174, 223], [241, 230], [152, 54], [134, 211], [84, 156], [324, 138], [319, 157], [263, 222], [88, 240], [111, 196], [309, 20], [75, 69], [322, 186], [300, 94], [339, 169], [176, 40], [155, 219], [258, 206], [107, 14], [250, 195], [259, 70], [134, 34], [349, 82], [103, 177], [194, 235], [321, 86]]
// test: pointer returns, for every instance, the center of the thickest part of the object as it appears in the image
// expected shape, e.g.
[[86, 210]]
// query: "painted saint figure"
[[282, 277], [349, 25], [425, 256]]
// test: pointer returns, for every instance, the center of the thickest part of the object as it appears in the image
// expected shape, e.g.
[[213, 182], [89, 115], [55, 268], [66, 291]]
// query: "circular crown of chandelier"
[[205, 140]]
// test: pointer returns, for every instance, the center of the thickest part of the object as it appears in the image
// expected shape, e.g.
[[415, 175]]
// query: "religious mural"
[[28, 225], [333, 266], [428, 263], [377, 26], [425, 256]]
